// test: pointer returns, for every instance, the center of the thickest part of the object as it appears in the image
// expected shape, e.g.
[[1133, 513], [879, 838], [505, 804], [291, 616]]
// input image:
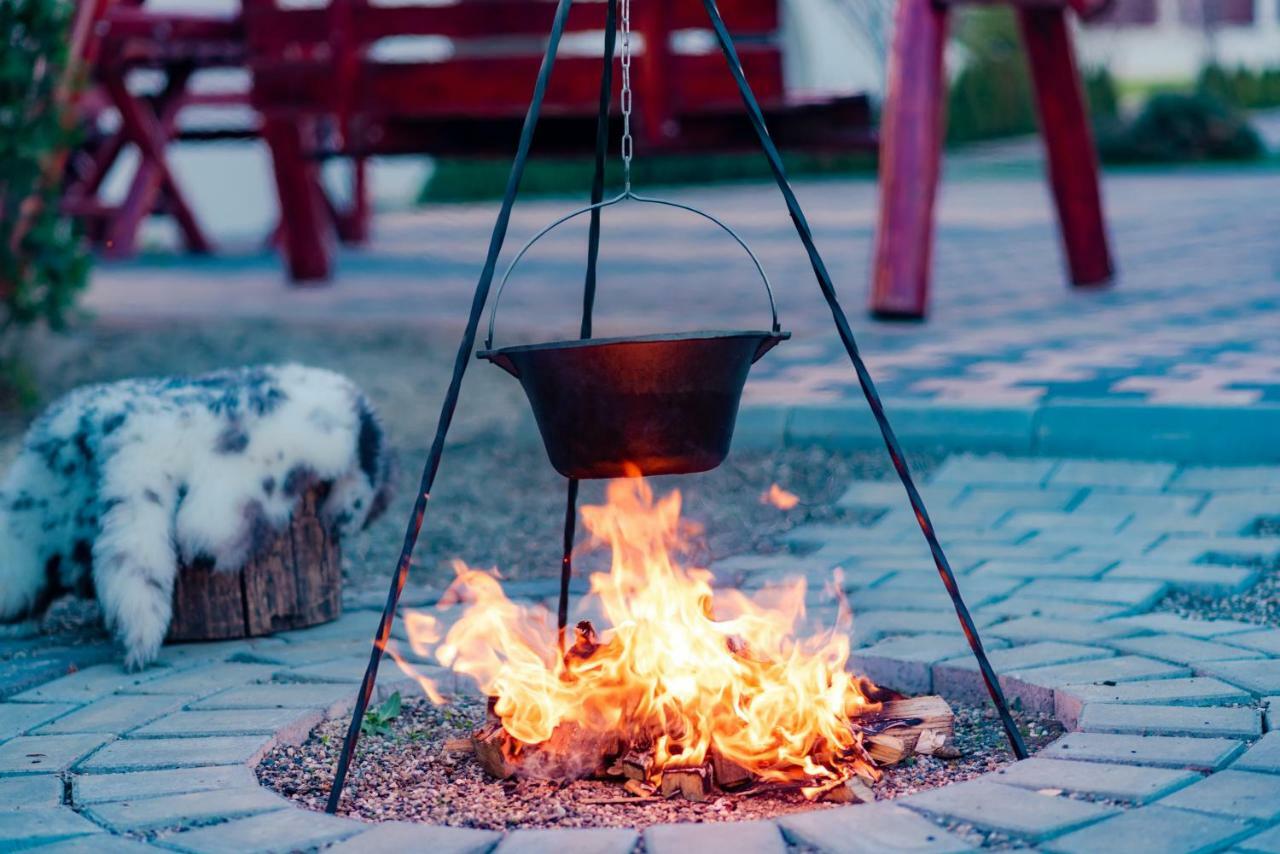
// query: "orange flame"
[[780, 498], [680, 667]]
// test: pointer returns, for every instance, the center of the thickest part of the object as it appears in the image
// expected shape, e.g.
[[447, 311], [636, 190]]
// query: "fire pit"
[[684, 690]]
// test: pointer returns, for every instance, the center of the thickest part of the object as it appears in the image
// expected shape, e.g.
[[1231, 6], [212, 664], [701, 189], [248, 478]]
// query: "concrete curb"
[[1087, 428]]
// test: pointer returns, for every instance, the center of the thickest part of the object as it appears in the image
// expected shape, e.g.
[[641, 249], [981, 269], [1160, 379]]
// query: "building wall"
[[1171, 40]]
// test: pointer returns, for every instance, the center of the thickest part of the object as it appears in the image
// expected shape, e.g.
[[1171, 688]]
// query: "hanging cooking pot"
[[663, 404]]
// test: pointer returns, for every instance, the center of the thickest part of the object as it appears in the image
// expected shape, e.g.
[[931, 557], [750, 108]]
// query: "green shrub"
[[43, 264], [1179, 128], [459, 180], [992, 95], [1241, 87]]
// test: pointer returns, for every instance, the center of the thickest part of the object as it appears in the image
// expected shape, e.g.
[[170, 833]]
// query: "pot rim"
[[491, 355]]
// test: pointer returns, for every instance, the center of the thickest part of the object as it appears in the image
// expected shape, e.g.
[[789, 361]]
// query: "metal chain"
[[625, 97]]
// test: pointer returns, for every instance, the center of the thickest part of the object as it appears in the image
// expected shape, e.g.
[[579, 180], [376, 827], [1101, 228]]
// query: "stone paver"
[[1266, 641], [203, 681], [906, 663], [1262, 756], [868, 829], [1266, 842], [154, 753], [90, 684], [399, 837], [1181, 650], [30, 828], [1174, 624], [134, 785], [270, 833], [598, 840], [1203, 578], [1008, 809], [1037, 687], [1163, 751], [276, 697], [959, 678], [46, 754], [225, 722], [114, 714], [1220, 721], [41, 791], [1027, 629], [19, 718], [755, 836], [1235, 793], [1137, 784], [1175, 831], [1262, 676], [176, 810]]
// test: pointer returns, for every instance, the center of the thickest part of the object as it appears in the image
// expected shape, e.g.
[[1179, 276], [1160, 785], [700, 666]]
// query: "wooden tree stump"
[[294, 583]]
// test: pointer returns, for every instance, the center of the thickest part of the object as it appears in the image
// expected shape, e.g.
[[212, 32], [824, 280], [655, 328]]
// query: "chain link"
[[625, 97]]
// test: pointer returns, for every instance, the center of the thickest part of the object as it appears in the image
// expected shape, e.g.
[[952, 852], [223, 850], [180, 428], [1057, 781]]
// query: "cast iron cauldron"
[[665, 404]]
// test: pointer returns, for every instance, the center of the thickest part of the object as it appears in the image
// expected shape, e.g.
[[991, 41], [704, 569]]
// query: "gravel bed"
[[405, 775]]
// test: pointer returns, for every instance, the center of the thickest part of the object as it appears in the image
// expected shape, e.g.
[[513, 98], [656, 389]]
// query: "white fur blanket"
[[117, 484]]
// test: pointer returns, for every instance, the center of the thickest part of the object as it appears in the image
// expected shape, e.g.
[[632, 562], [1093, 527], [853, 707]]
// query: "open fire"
[[683, 689]]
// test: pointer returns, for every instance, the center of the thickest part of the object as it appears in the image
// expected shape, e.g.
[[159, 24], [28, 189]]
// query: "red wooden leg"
[[911, 135], [150, 133], [1073, 161], [303, 217]]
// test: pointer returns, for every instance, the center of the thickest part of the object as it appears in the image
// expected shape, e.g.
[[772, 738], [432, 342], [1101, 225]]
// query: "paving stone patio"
[[1171, 717]]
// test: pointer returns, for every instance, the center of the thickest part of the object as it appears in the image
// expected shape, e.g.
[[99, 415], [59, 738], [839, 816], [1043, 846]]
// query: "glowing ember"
[[682, 676], [780, 498]]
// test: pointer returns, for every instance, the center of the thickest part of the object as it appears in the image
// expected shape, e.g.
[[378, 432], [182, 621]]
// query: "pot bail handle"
[[626, 195]]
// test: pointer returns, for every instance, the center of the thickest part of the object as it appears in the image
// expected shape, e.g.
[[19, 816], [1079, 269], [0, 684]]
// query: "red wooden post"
[[658, 125], [148, 133], [1073, 161], [911, 135], [303, 218]]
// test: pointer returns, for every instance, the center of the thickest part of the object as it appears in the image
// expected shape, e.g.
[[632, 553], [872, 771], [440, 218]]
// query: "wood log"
[[851, 791], [637, 765], [907, 719], [692, 783], [490, 741], [295, 582], [886, 749], [728, 774]]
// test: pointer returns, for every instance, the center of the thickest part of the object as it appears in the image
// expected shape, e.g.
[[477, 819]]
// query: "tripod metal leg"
[[589, 291], [864, 379], [448, 408]]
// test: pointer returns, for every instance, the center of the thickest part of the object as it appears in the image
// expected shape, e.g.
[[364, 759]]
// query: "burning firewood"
[[909, 719], [489, 742], [637, 765], [885, 749], [850, 791], [459, 745], [693, 783], [728, 774]]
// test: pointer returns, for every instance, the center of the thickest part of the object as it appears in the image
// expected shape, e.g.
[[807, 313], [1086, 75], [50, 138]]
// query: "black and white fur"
[[117, 484]]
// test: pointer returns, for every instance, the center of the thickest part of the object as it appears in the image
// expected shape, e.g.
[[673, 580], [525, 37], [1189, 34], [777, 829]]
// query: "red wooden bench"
[[323, 90], [129, 37], [912, 131]]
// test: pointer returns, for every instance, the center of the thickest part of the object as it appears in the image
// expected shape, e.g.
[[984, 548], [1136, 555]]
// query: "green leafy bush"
[[1178, 128], [992, 95], [43, 263], [1241, 87]]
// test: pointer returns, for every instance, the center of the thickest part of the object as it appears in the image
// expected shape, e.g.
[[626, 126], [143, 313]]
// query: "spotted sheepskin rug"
[[118, 484]]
